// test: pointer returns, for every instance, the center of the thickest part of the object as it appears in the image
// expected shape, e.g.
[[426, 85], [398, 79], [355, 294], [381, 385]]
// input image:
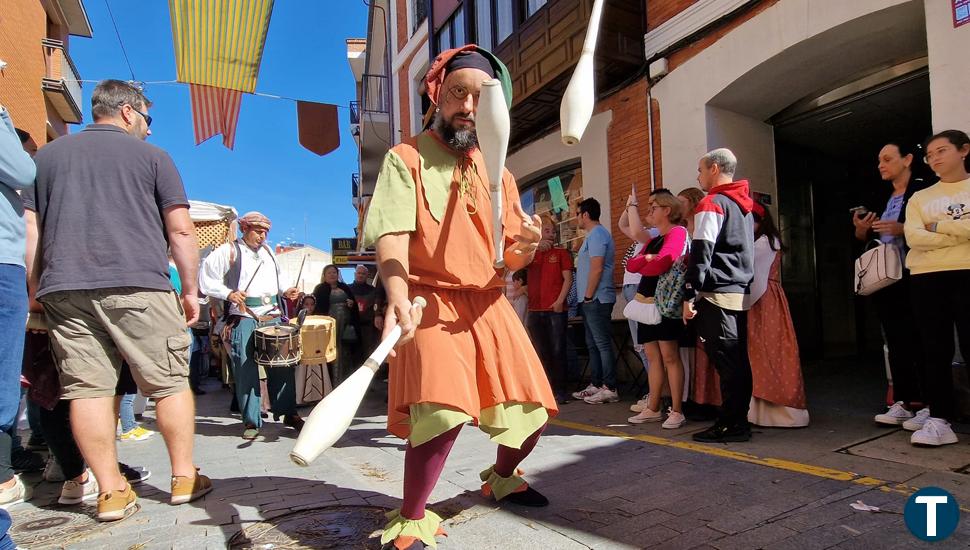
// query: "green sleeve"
[[393, 208]]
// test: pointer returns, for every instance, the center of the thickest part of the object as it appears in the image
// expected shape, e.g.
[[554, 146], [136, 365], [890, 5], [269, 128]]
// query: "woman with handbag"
[[778, 391], [899, 165], [335, 299], [659, 298], [938, 234]]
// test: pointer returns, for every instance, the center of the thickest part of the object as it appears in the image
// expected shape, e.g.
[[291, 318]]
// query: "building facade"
[[39, 83]]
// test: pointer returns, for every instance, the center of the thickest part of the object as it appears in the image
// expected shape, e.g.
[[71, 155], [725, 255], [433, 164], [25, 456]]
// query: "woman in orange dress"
[[778, 393]]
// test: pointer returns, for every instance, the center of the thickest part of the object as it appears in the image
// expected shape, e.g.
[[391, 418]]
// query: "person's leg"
[[935, 318], [281, 383], [895, 310], [538, 327], [422, 467], [719, 331], [603, 342], [56, 426], [36, 441], [126, 411], [962, 322], [655, 374], [195, 362], [674, 369], [507, 459], [557, 351], [13, 312], [595, 358], [245, 373], [176, 421], [93, 424], [629, 291]]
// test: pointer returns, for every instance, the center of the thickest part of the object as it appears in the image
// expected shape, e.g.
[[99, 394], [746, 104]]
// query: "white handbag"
[[878, 267], [642, 310]]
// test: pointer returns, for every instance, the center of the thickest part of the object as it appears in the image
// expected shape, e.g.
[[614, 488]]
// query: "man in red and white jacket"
[[719, 273]]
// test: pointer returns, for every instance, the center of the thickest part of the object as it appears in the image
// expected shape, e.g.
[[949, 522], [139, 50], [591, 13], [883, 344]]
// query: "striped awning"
[[219, 43]]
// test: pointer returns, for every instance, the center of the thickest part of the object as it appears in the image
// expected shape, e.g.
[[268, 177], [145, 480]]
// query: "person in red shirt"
[[550, 276]]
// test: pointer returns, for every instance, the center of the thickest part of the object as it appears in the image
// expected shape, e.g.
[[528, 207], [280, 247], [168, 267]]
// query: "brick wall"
[[22, 26], [660, 11], [403, 31]]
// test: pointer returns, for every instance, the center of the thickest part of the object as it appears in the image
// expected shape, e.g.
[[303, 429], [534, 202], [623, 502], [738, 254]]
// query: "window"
[[504, 20], [444, 37], [533, 6], [419, 12], [483, 23], [538, 198], [452, 34]]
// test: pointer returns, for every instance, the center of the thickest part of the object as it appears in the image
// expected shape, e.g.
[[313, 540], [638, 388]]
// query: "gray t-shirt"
[[99, 199]]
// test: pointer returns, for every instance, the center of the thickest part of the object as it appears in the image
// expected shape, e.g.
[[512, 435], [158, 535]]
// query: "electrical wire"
[[122, 44]]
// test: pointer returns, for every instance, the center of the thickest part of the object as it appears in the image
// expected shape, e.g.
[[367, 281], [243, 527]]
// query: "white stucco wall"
[[690, 126], [539, 156], [949, 67]]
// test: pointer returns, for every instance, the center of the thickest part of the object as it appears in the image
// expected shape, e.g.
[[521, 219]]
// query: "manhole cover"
[[329, 527], [40, 528]]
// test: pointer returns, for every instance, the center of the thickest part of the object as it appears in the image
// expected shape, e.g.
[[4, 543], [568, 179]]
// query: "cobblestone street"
[[612, 485]]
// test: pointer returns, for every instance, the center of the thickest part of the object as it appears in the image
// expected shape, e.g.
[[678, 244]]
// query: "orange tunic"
[[470, 351]]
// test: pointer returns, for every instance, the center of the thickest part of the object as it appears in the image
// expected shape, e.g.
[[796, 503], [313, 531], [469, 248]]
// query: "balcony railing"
[[376, 97], [62, 82], [355, 112], [355, 189]]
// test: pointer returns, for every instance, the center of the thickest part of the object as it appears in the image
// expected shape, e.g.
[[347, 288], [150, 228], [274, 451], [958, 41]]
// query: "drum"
[[277, 346], [319, 340]]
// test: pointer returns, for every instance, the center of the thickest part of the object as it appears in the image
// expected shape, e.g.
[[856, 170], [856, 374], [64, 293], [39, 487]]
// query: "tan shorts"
[[92, 330]]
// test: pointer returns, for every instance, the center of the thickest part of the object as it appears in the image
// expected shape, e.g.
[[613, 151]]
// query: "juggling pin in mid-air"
[[580, 96], [492, 126], [331, 417]]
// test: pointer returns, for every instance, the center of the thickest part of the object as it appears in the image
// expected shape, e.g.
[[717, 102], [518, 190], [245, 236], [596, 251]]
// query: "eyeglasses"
[[460, 92], [146, 116]]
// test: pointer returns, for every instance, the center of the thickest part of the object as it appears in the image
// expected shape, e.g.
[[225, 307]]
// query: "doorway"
[[826, 156]]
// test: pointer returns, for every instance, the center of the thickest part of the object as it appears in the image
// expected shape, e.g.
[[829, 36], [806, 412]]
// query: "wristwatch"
[[587, 299]]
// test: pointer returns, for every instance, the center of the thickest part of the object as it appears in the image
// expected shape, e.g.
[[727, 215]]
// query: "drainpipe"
[[653, 182]]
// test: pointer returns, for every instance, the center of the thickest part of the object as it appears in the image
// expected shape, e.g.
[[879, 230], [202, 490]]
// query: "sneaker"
[[14, 495], [186, 489], [53, 471], [935, 432], [895, 416], [134, 474], [113, 505], [674, 420], [646, 415], [917, 421], [590, 391], [74, 492], [136, 434], [640, 405], [720, 433], [605, 395]]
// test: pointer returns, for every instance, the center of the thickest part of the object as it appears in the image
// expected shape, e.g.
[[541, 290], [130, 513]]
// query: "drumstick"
[[492, 127], [300, 274], [251, 279], [331, 417]]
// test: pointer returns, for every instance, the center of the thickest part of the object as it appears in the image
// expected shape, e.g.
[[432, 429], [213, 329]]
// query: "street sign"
[[961, 12], [343, 247]]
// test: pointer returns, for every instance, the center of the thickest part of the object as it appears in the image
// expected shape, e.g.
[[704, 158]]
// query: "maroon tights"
[[423, 465]]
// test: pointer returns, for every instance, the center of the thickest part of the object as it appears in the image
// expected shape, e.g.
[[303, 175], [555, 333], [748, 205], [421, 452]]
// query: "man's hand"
[[238, 297], [350, 303], [888, 228], [530, 232], [545, 245], [401, 313], [558, 306], [689, 311], [379, 322], [190, 303], [291, 293]]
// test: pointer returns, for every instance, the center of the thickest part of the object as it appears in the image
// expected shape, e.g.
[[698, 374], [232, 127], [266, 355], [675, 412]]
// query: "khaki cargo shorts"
[[93, 330]]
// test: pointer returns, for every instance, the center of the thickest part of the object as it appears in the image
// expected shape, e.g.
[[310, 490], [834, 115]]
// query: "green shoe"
[[250, 433]]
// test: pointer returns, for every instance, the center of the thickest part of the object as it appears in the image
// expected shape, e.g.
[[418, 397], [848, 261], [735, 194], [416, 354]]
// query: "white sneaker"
[[640, 405], [935, 432], [674, 420], [895, 416], [646, 415], [917, 421], [14, 495], [590, 391], [605, 395], [74, 492], [53, 472]]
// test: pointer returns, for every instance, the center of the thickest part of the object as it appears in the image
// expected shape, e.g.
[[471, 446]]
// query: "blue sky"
[[305, 57]]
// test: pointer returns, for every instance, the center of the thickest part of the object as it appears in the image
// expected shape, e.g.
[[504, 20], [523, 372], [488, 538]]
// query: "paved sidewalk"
[[611, 486]]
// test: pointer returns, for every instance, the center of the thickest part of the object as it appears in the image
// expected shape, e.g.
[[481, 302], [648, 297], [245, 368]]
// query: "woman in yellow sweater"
[[938, 234]]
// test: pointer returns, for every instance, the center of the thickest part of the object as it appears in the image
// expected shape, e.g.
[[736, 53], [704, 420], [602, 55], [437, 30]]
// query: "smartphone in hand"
[[859, 211]]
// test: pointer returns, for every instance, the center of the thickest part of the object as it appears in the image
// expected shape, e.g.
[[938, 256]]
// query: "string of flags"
[[218, 50]]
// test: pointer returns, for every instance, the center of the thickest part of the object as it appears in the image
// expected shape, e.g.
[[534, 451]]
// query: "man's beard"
[[462, 140]]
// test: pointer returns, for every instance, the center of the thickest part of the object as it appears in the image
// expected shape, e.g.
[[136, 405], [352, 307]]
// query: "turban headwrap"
[[254, 219], [468, 56]]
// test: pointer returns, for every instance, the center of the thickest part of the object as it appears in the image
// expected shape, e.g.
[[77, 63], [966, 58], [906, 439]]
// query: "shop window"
[[560, 202]]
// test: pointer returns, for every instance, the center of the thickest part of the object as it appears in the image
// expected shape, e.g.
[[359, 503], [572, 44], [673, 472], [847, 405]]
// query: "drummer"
[[246, 274]]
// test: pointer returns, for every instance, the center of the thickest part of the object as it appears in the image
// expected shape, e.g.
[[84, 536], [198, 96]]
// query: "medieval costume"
[[471, 359]]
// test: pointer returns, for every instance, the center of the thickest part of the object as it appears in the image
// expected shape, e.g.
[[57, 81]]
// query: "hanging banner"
[[214, 111], [559, 202], [219, 43], [319, 126]]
